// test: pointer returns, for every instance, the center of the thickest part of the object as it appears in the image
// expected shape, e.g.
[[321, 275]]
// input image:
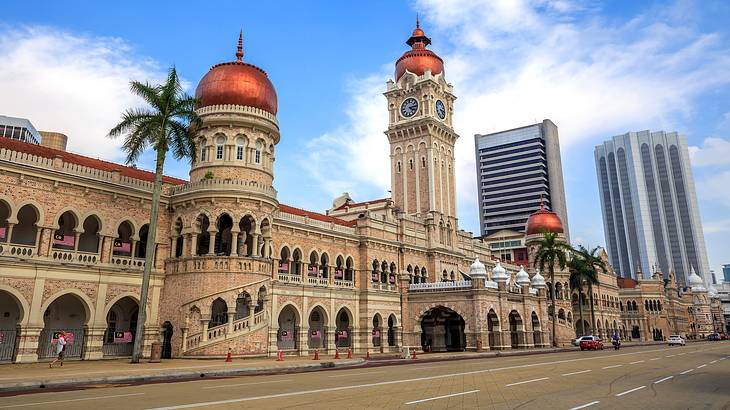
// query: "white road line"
[[687, 371], [701, 366], [582, 371], [40, 403], [611, 367], [636, 362], [664, 379], [713, 362], [630, 391], [586, 405], [246, 384], [656, 358], [354, 374], [442, 397], [386, 383], [425, 367], [670, 355], [679, 354], [526, 381]]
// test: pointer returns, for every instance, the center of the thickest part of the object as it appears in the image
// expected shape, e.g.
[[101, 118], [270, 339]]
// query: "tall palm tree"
[[166, 124], [551, 252], [592, 264], [580, 275]]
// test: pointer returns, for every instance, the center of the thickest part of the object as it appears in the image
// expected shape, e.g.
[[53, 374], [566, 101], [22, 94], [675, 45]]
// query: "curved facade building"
[[649, 205]]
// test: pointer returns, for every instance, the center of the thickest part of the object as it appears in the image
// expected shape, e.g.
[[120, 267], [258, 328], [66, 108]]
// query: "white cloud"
[[719, 226], [714, 187], [714, 151], [70, 83]]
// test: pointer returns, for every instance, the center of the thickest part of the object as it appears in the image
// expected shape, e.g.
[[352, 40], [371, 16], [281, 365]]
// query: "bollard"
[[413, 356], [281, 356], [228, 356], [367, 356], [316, 354], [349, 353], [337, 353]]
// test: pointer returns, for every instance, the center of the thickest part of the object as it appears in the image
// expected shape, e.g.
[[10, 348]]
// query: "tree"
[[551, 251], [166, 124], [581, 274], [592, 264]]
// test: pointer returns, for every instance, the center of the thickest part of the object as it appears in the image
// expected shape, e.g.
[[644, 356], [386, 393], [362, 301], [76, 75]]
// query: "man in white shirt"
[[60, 348]]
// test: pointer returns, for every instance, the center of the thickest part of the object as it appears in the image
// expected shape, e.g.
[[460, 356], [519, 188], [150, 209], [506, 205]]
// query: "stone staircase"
[[225, 332]]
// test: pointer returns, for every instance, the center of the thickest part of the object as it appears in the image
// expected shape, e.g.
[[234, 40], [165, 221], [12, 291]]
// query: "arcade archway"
[[69, 313], [442, 330]]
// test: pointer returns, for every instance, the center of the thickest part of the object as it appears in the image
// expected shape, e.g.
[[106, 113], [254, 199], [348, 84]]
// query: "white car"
[[675, 340]]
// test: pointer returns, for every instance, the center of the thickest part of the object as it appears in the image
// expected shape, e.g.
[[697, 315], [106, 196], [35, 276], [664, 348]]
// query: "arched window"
[[240, 148], [392, 277], [423, 162], [259, 148], [339, 268], [324, 265], [410, 164], [284, 260], [348, 269], [123, 241], [202, 151], [65, 235], [375, 275], [243, 305], [219, 144], [384, 272], [313, 268], [424, 276], [141, 251], [398, 166], [297, 260]]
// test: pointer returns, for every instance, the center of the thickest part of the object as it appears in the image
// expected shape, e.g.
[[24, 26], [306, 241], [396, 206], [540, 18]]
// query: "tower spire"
[[239, 53], [418, 23]]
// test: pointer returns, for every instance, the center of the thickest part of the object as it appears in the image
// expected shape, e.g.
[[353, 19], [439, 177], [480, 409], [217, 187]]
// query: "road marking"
[[630, 391], [386, 383], [638, 361], [442, 397], [425, 367], [701, 366], [246, 384], [586, 405], [570, 374], [611, 367], [355, 374], [679, 354], [656, 358], [670, 355], [664, 379], [686, 371], [713, 362], [69, 400], [527, 381]]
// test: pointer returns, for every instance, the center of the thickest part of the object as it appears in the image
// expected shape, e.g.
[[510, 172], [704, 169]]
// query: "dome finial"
[[239, 53], [418, 23]]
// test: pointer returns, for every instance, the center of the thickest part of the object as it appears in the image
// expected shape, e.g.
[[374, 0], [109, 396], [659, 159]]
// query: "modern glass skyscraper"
[[515, 168], [650, 214]]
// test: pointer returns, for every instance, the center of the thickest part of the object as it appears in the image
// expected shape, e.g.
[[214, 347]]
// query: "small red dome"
[[237, 83], [418, 59], [543, 221]]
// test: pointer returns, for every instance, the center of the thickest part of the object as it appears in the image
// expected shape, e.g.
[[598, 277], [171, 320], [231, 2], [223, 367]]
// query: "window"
[[257, 158], [219, 142], [240, 148], [202, 151], [423, 162], [398, 166], [410, 164], [239, 153]]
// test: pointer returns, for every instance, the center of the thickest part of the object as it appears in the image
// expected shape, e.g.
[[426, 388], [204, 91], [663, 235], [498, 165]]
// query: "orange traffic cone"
[[337, 353], [228, 356], [413, 356], [316, 354], [367, 356], [349, 353], [281, 356]]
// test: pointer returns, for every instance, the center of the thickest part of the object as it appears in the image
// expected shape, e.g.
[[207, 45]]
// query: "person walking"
[[60, 349]]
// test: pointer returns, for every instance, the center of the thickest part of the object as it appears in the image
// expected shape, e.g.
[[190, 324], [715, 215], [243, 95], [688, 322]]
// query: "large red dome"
[[237, 83], [543, 221], [418, 59]]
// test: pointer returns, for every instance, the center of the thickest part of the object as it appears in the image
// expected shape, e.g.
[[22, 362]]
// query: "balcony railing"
[[69, 256], [18, 251], [127, 262], [205, 263], [459, 284]]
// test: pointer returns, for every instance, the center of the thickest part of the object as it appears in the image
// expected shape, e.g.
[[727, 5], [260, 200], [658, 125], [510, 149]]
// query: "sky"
[[596, 69]]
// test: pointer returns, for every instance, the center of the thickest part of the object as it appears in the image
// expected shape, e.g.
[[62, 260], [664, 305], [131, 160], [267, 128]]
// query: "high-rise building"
[[649, 205], [515, 169], [726, 273], [19, 129]]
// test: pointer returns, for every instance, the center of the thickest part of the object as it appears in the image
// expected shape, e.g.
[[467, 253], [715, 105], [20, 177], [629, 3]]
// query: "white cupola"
[[538, 282], [477, 269], [522, 278], [499, 273]]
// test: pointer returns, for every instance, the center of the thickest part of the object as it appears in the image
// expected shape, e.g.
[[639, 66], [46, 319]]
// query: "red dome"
[[418, 59], [543, 221], [237, 83]]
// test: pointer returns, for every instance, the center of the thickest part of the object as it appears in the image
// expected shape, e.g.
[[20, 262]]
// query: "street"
[[695, 376]]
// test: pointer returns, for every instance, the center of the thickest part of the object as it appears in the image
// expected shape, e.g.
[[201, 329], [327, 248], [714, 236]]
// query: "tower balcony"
[[219, 263]]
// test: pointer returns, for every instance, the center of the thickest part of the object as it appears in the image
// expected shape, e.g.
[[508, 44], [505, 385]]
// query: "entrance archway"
[[442, 330], [377, 331], [69, 313], [536, 330], [516, 329], [392, 330], [11, 316], [167, 330], [287, 336], [121, 326], [343, 332], [493, 329], [317, 336]]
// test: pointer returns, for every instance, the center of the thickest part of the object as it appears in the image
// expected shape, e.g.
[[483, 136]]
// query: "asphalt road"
[[652, 377]]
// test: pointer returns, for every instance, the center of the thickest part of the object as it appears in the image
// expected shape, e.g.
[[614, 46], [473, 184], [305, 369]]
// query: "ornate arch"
[[297, 312], [40, 213], [73, 211], [119, 297], [20, 300], [85, 302], [324, 309]]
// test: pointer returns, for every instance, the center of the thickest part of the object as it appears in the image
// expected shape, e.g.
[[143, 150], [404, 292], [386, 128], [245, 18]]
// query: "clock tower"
[[421, 136]]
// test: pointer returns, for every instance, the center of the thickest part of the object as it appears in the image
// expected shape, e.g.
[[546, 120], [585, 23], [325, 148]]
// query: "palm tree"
[[551, 251], [592, 265], [580, 274], [167, 124]]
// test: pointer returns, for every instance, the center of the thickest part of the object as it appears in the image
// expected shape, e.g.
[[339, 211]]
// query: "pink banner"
[[316, 334], [120, 246], [2, 233], [284, 266], [123, 337], [64, 240], [339, 274], [287, 335], [376, 277], [69, 337]]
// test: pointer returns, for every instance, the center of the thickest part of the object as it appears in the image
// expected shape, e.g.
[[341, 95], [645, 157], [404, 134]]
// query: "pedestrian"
[[60, 348]]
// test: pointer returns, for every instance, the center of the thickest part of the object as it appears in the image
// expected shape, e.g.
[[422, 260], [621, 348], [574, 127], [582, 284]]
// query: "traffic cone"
[[349, 353], [316, 354], [228, 356], [281, 356], [367, 356], [413, 356], [337, 353]]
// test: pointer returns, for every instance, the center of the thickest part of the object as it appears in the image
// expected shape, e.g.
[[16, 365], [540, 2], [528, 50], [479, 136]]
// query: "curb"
[[176, 375]]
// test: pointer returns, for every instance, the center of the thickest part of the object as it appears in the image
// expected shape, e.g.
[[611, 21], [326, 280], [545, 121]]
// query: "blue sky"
[[596, 69]]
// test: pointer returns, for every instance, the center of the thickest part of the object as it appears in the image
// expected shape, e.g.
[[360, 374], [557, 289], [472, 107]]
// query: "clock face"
[[409, 107], [440, 109]]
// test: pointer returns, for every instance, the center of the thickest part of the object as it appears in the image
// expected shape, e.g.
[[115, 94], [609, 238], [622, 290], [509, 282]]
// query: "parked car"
[[576, 342], [675, 340], [591, 343], [714, 337]]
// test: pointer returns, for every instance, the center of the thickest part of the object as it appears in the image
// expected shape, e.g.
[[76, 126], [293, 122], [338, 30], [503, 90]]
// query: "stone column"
[[77, 235], [211, 241], [184, 339], [133, 248], [93, 341], [234, 241], [193, 244], [255, 252], [27, 348], [173, 242], [204, 327], [38, 240], [46, 241], [231, 318], [9, 232]]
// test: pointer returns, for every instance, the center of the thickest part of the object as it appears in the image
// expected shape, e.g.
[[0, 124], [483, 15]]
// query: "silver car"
[[675, 340]]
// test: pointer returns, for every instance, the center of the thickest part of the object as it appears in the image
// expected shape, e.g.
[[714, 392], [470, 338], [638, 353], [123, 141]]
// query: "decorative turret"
[[695, 281], [538, 281], [522, 278], [500, 275]]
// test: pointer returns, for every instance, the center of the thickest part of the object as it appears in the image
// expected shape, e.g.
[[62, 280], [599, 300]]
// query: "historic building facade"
[[236, 270]]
